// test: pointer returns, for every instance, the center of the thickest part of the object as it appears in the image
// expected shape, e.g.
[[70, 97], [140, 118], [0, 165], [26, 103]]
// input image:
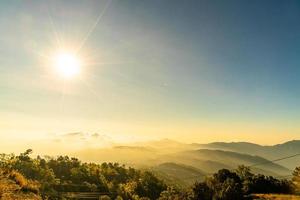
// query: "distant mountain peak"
[[291, 142]]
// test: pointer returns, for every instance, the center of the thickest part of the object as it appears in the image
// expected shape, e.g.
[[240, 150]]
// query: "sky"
[[192, 71]]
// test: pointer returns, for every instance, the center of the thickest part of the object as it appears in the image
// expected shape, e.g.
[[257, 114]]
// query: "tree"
[[171, 194], [223, 185], [201, 191], [244, 172], [229, 189], [150, 186], [246, 177], [296, 179]]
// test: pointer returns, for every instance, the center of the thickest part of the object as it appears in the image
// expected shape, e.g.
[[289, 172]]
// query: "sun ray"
[[56, 33], [108, 63], [93, 26], [62, 98], [89, 87], [41, 55]]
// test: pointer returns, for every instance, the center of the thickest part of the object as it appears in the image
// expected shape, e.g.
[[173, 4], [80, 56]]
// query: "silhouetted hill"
[[212, 160], [269, 152], [206, 158], [183, 175], [131, 155], [166, 145]]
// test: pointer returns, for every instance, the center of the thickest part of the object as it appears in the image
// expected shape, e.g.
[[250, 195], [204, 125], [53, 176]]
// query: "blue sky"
[[212, 70]]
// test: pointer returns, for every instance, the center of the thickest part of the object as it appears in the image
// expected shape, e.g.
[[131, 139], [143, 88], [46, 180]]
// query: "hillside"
[[208, 161], [167, 156], [13, 186], [212, 160], [131, 155], [183, 175], [64, 177], [269, 152], [61, 177]]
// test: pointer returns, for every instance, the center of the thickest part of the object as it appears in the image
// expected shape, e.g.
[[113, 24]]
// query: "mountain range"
[[185, 163]]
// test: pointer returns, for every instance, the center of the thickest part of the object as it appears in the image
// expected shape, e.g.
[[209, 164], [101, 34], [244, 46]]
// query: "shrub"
[[30, 188], [18, 178], [105, 197]]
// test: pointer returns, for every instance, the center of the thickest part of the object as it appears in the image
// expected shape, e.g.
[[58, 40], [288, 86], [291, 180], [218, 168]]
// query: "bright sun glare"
[[67, 65]]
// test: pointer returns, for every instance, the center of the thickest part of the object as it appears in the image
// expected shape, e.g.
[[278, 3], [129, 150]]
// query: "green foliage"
[[54, 177], [202, 191], [150, 186], [227, 185], [174, 194], [260, 184], [296, 179], [223, 185]]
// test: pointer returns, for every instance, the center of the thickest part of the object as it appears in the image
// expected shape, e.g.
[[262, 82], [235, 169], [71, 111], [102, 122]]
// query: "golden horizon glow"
[[67, 65]]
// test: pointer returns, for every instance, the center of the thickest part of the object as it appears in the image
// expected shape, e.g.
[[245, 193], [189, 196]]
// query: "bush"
[[227, 185], [202, 191], [105, 197], [18, 178], [30, 188]]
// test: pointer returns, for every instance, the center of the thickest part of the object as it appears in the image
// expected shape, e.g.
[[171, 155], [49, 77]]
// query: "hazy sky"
[[194, 71]]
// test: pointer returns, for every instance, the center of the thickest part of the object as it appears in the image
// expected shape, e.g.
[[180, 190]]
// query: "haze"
[[191, 71]]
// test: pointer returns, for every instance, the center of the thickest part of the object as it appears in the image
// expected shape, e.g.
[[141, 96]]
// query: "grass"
[[275, 197], [14, 186], [18, 178]]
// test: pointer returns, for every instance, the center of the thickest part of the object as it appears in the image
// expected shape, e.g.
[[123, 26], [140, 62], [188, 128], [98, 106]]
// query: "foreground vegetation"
[[13, 186], [52, 178], [24, 177], [275, 197]]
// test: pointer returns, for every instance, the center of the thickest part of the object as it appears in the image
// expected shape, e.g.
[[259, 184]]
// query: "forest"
[[61, 177]]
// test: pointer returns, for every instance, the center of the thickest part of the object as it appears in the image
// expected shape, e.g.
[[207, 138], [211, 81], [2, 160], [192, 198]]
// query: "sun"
[[67, 65]]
